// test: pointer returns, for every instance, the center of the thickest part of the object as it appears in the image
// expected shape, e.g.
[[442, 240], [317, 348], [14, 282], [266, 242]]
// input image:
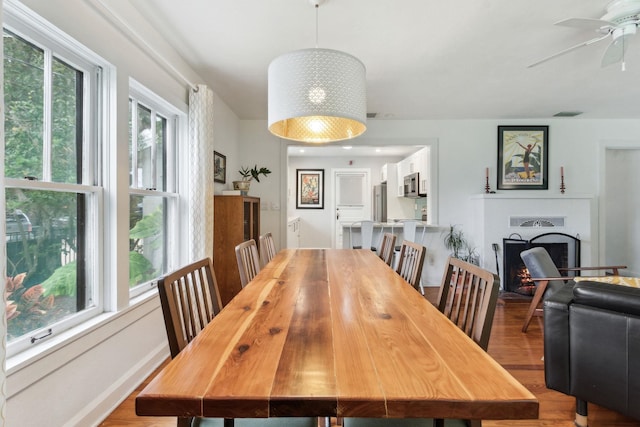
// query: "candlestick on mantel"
[[486, 176], [562, 187]]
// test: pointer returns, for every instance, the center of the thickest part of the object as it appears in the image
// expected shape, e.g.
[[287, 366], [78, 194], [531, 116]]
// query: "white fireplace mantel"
[[493, 213]]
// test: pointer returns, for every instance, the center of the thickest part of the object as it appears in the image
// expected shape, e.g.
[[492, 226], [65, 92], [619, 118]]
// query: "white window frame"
[[176, 120], [98, 86]]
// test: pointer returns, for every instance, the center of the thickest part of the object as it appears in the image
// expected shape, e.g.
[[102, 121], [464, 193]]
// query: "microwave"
[[411, 185]]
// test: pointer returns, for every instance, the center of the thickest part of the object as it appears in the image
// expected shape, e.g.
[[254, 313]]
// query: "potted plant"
[[455, 241], [248, 175]]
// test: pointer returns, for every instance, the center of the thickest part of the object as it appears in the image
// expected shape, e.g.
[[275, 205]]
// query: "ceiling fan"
[[620, 23]]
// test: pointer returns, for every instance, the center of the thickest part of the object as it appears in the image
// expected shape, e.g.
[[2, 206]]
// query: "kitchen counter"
[[392, 224], [379, 228]]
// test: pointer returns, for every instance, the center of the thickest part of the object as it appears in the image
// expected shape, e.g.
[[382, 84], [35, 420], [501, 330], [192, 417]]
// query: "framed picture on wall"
[[309, 188], [219, 168], [523, 157]]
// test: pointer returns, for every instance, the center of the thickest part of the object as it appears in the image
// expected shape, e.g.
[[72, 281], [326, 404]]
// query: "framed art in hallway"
[[219, 168], [523, 157], [309, 188]]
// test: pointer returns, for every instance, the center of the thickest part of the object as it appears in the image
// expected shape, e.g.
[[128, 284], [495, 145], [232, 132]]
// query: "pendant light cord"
[[317, 6], [624, 66]]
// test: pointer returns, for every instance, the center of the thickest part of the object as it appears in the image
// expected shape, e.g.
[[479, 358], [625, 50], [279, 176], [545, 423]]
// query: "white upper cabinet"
[[402, 171], [422, 165], [417, 162]]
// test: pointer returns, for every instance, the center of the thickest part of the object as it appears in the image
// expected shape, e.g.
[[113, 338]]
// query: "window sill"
[[59, 350]]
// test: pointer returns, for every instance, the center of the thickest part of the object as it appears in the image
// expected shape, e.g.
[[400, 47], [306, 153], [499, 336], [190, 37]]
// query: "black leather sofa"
[[592, 346]]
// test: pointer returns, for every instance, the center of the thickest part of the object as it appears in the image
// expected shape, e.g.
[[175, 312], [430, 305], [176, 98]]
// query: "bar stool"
[[366, 235]]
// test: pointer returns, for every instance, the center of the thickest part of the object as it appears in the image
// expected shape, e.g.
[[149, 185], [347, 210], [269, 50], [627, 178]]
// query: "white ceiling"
[[425, 59]]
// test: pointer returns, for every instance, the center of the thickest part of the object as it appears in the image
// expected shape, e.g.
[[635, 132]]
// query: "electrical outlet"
[[275, 206], [264, 206]]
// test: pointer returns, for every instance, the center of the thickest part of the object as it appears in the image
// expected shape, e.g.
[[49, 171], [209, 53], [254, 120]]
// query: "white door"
[[352, 190]]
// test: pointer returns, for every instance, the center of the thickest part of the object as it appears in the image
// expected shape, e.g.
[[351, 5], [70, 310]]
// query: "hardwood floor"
[[519, 353]]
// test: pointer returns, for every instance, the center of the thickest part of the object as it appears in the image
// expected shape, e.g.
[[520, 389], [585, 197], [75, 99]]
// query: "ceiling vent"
[[567, 114]]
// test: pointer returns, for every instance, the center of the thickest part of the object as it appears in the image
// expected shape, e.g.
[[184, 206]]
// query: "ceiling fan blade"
[[572, 48], [585, 23], [615, 51]]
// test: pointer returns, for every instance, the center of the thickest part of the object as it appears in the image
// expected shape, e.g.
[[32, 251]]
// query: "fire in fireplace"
[[564, 250]]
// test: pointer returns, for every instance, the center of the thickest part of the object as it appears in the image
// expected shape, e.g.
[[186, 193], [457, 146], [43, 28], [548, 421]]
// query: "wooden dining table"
[[333, 332]]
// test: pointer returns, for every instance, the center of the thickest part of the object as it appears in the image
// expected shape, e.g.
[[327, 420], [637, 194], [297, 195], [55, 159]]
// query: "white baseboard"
[[105, 403]]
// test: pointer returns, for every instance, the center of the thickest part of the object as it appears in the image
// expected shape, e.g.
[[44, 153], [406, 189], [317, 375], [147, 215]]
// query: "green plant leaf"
[[149, 226], [62, 282], [140, 269]]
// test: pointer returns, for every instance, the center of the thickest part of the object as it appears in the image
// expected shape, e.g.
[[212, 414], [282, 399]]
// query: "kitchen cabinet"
[[402, 170], [422, 165], [236, 219], [384, 172], [390, 174]]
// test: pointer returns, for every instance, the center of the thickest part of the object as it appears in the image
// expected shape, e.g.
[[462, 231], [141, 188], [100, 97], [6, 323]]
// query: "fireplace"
[[564, 250]]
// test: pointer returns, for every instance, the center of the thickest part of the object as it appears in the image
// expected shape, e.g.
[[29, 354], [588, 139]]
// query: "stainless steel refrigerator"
[[380, 202]]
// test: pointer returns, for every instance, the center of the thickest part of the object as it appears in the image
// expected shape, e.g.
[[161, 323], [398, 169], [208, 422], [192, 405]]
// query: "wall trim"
[[107, 401]]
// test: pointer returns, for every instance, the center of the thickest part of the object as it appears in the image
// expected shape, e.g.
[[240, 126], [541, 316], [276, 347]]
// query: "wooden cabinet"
[[236, 219]]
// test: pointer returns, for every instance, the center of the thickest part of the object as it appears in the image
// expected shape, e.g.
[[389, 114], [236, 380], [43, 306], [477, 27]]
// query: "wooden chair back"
[[386, 248], [410, 262], [190, 299], [468, 296], [267, 248], [248, 261]]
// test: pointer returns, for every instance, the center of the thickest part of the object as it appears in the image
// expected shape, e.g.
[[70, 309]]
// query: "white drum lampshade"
[[317, 95]]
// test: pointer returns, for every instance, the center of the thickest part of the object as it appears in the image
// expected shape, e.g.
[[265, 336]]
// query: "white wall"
[[466, 148], [77, 379]]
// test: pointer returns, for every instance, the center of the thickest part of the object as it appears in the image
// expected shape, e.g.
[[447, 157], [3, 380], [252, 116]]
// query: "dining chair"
[[468, 296], [248, 261], [366, 235], [410, 233], [548, 277], [386, 248], [190, 299], [410, 262], [267, 248]]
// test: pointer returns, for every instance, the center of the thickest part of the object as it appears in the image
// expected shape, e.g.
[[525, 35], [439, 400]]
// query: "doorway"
[[620, 204], [351, 201]]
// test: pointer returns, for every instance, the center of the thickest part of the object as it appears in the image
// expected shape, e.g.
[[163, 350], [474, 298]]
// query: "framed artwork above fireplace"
[[523, 157]]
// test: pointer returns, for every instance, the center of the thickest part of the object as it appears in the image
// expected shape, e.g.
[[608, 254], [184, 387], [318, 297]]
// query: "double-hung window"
[[153, 193], [53, 183]]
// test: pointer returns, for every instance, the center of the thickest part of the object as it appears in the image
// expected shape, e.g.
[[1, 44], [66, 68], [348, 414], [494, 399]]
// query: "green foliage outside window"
[[45, 251]]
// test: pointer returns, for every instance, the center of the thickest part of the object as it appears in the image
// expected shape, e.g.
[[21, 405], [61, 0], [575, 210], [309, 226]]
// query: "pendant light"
[[317, 95]]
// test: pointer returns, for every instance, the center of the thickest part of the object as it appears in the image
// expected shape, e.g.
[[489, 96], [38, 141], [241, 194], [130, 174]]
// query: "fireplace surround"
[[529, 214]]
